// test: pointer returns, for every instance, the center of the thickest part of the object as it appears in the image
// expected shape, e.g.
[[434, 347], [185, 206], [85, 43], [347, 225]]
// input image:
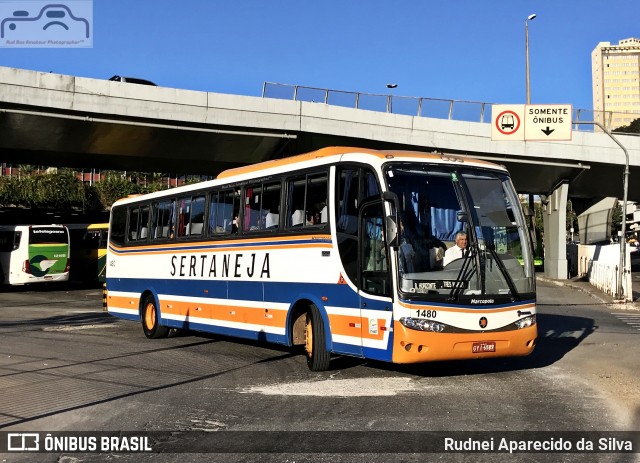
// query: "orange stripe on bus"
[[232, 245], [123, 302], [346, 325], [249, 315], [321, 153]]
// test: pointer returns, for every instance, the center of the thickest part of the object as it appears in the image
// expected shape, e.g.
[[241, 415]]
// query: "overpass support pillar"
[[555, 233]]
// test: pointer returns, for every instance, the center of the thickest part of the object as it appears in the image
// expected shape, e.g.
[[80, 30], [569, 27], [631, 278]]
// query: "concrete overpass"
[[59, 120]]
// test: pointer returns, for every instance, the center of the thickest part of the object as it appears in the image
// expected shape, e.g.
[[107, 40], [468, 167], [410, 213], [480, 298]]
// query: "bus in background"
[[34, 254], [88, 252], [340, 251]]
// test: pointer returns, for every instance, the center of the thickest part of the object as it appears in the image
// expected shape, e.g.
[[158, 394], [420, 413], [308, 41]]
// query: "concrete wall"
[[600, 265]]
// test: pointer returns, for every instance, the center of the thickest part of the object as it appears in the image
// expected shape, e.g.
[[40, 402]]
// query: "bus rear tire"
[[151, 320], [318, 357]]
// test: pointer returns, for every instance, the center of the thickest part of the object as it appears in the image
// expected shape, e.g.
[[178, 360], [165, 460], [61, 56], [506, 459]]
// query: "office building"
[[616, 82]]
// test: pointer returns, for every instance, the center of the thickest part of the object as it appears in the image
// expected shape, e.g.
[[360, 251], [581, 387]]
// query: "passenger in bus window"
[[456, 251], [313, 218]]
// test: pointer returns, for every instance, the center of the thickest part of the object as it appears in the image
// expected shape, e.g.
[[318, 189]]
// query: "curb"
[[592, 291]]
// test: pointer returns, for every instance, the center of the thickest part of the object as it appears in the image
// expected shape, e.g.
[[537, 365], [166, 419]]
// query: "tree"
[[634, 127]]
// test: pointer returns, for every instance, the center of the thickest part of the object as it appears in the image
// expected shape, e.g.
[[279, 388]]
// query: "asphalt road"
[[67, 366]]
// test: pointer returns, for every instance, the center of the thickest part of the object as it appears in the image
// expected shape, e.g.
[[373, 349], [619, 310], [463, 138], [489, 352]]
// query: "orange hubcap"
[[308, 338], [150, 317]]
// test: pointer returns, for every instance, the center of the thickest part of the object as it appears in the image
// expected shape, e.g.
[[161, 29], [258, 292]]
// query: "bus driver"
[[457, 250]]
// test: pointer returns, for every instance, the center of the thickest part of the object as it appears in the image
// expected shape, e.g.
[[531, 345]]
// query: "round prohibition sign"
[[507, 120]]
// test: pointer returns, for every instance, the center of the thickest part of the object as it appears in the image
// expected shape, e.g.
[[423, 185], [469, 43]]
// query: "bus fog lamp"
[[421, 324], [526, 322]]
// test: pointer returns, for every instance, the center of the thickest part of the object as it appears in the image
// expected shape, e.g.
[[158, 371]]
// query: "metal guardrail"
[[458, 110]]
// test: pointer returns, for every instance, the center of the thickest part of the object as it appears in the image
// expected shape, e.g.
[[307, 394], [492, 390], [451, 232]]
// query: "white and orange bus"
[[339, 250]]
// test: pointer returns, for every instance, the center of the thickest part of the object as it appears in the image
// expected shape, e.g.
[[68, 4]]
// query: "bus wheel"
[[314, 343], [151, 320]]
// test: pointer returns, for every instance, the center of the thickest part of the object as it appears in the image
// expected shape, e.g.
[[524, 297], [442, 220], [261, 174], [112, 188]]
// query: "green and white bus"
[[34, 254]]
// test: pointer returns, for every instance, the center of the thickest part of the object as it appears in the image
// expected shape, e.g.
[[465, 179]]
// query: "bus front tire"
[[151, 320], [315, 346]]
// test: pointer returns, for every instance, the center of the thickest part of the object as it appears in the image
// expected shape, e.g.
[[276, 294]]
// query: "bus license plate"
[[480, 347]]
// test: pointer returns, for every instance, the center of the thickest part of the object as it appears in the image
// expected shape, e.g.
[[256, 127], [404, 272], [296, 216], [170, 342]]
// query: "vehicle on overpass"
[[131, 80], [89, 252], [340, 251], [34, 254]]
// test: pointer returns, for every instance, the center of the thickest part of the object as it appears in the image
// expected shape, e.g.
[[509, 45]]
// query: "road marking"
[[356, 387], [632, 320], [76, 328]]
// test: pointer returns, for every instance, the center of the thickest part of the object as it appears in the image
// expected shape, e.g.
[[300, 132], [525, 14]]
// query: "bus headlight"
[[422, 325], [526, 322]]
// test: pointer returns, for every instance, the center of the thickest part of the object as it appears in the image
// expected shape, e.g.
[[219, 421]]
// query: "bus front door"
[[374, 284]]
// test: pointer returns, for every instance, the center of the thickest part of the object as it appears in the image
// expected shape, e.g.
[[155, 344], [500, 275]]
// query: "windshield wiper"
[[512, 286], [465, 273]]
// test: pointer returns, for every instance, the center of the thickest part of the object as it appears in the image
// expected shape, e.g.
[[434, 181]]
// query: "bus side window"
[[183, 209], [252, 207], [270, 208], [317, 199], [118, 224], [197, 216], [143, 231], [162, 219], [224, 209], [307, 201], [134, 222]]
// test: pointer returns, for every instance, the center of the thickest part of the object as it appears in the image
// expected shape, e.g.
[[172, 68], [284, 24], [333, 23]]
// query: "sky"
[[471, 50]]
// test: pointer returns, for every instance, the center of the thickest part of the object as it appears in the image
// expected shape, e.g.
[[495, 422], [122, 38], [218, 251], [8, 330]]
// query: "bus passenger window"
[[197, 216], [262, 206], [270, 209], [143, 230], [184, 216], [252, 198], [118, 224], [134, 222], [162, 220], [224, 209], [307, 201]]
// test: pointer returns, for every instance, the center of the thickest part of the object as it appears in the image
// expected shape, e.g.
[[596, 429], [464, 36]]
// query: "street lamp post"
[[390, 97], [531, 17]]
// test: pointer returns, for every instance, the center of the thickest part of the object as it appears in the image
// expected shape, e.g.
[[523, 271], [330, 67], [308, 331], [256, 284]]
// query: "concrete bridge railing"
[[438, 108]]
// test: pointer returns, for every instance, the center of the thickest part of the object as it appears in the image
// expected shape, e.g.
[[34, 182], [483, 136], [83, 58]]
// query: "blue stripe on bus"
[[347, 349], [281, 292], [226, 331]]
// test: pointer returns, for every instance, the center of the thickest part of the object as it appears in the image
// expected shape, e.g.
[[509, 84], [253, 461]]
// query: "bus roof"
[[341, 150]]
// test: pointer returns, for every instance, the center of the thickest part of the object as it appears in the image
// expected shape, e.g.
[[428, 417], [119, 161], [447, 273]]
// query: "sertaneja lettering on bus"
[[232, 266]]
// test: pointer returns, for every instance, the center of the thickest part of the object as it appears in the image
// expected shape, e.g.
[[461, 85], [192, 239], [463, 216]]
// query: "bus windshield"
[[462, 234], [48, 235]]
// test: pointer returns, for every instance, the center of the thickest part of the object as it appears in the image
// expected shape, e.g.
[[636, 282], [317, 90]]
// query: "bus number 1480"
[[426, 313]]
